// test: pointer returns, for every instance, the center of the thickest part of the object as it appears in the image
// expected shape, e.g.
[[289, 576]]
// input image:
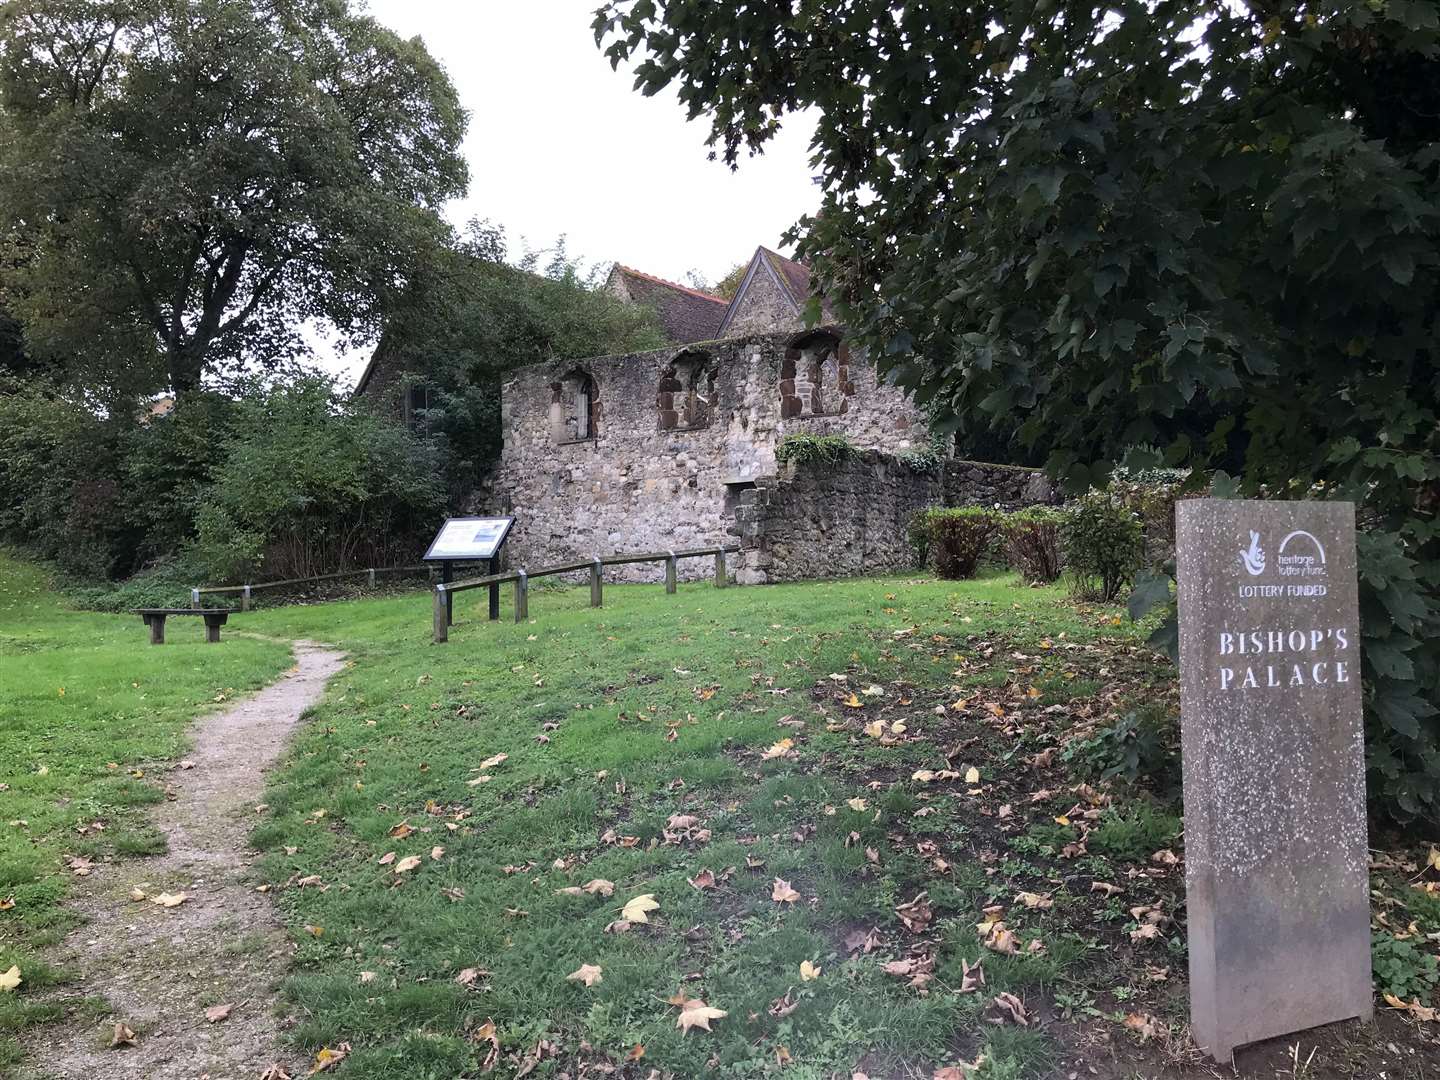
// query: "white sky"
[[559, 144]]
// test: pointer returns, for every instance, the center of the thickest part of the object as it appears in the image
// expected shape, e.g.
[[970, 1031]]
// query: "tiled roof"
[[686, 314]]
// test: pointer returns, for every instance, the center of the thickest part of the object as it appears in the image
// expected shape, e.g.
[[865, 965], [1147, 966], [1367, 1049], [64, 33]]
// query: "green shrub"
[[165, 583], [308, 486], [808, 449], [1135, 833], [959, 538], [1104, 545], [1032, 543], [1150, 494], [926, 461], [917, 531], [1402, 969], [1144, 744]]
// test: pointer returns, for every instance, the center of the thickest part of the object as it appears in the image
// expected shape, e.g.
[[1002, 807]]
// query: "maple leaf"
[[170, 900], [327, 1058], [779, 750], [705, 879], [782, 893], [399, 832], [635, 910], [599, 887], [696, 1014], [808, 972], [589, 974], [972, 775], [121, 1035], [875, 729], [853, 702], [10, 980], [491, 762], [405, 865], [1035, 900], [916, 914]]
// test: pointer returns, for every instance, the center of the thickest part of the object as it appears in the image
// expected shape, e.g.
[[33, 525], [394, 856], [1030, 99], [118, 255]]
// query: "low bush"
[[960, 537], [917, 531], [1032, 543], [166, 583], [1104, 545], [806, 449], [1142, 746], [1402, 970], [1135, 833]]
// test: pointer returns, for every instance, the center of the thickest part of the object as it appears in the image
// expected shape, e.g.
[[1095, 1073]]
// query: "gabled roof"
[[685, 314], [792, 277]]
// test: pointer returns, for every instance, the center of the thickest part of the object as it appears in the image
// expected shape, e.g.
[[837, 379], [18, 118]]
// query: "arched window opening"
[[687, 393], [574, 408], [815, 377]]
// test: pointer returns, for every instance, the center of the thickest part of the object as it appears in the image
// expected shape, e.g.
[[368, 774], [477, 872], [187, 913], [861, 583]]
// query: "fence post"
[[669, 571], [722, 578], [522, 597], [371, 572], [442, 616], [194, 598], [596, 588], [245, 598]]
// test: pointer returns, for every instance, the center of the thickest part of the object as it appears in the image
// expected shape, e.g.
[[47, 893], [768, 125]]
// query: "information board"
[[1273, 754], [469, 538]]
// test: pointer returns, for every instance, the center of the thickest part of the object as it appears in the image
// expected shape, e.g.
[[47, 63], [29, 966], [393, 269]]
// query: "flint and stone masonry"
[[654, 451], [1274, 770]]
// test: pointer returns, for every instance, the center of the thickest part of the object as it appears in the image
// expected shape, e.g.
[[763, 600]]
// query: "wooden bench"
[[155, 617]]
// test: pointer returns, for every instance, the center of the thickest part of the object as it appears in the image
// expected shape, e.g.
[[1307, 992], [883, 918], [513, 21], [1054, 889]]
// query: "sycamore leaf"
[[589, 974], [405, 865], [9, 980], [695, 1013], [599, 887], [875, 729], [635, 910], [853, 702], [856, 804], [780, 749], [782, 893], [808, 971]]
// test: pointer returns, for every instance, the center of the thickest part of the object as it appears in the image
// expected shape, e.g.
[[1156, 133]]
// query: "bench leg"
[[157, 629], [212, 631]]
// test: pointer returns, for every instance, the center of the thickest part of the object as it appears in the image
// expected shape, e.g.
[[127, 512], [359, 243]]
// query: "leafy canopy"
[[185, 183], [1204, 226]]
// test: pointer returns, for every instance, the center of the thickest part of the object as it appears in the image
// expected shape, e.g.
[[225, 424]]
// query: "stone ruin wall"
[[817, 521], [675, 438]]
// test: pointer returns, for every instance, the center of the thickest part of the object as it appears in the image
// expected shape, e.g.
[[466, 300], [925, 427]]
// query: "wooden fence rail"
[[596, 565], [244, 591]]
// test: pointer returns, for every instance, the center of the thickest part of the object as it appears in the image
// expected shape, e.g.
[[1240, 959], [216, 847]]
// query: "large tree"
[[1204, 226], [187, 183]]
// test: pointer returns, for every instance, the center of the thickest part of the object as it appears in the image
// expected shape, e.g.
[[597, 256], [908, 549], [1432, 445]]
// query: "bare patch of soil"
[[160, 968]]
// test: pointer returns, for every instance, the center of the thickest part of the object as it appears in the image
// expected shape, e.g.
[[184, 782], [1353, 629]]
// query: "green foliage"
[[1150, 494], [815, 449], [729, 285], [164, 583], [1104, 545], [917, 532], [1403, 970], [1032, 543], [1133, 833], [1142, 746], [1206, 227], [470, 316], [960, 537], [185, 185], [308, 486], [927, 461]]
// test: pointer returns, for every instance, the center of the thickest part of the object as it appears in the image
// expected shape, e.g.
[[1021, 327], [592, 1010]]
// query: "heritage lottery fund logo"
[[1280, 658]]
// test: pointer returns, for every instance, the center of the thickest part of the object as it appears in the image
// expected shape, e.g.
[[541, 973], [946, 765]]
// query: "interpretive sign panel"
[[1274, 769], [464, 538]]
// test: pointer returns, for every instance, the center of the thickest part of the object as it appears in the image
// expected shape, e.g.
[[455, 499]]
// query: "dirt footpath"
[[160, 968]]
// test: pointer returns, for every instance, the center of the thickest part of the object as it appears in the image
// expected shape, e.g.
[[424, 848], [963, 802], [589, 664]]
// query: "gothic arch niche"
[[574, 407], [815, 376], [687, 393]]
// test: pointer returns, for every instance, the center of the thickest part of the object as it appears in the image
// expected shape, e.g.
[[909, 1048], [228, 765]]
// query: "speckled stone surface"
[[1273, 753]]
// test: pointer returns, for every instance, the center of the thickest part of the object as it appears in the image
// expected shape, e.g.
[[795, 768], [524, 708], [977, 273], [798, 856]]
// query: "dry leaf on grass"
[[636, 1052], [705, 879], [589, 974], [1143, 1024], [121, 1035], [491, 762], [10, 980], [1042, 901], [1007, 1008], [276, 1072], [327, 1058], [782, 893], [916, 914], [217, 1013], [405, 865], [808, 972], [696, 1014], [635, 910], [1413, 1008], [170, 900], [779, 750]]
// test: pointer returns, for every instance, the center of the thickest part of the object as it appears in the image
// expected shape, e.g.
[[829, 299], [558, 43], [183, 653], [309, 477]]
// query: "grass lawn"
[[845, 803], [87, 708]]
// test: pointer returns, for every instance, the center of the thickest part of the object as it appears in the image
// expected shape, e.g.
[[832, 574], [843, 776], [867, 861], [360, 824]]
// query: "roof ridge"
[[671, 284]]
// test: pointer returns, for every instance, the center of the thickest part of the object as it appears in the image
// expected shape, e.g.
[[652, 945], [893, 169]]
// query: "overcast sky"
[[561, 145]]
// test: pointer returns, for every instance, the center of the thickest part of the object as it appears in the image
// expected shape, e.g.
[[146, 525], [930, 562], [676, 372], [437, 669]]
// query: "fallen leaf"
[[780, 749], [636, 1052], [853, 702], [589, 974], [782, 893], [387, 858], [437, 853], [399, 832], [367, 977], [1042, 901], [217, 1013], [276, 1072], [972, 775], [875, 729], [1143, 1024], [635, 910], [11, 979], [858, 805], [808, 972], [916, 914], [405, 865], [170, 900], [696, 1014], [491, 762], [138, 894], [705, 879], [120, 1036], [599, 887], [328, 1058], [1009, 1008]]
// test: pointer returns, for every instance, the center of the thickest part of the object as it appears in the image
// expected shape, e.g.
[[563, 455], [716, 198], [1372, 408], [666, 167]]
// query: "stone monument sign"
[[1274, 769]]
